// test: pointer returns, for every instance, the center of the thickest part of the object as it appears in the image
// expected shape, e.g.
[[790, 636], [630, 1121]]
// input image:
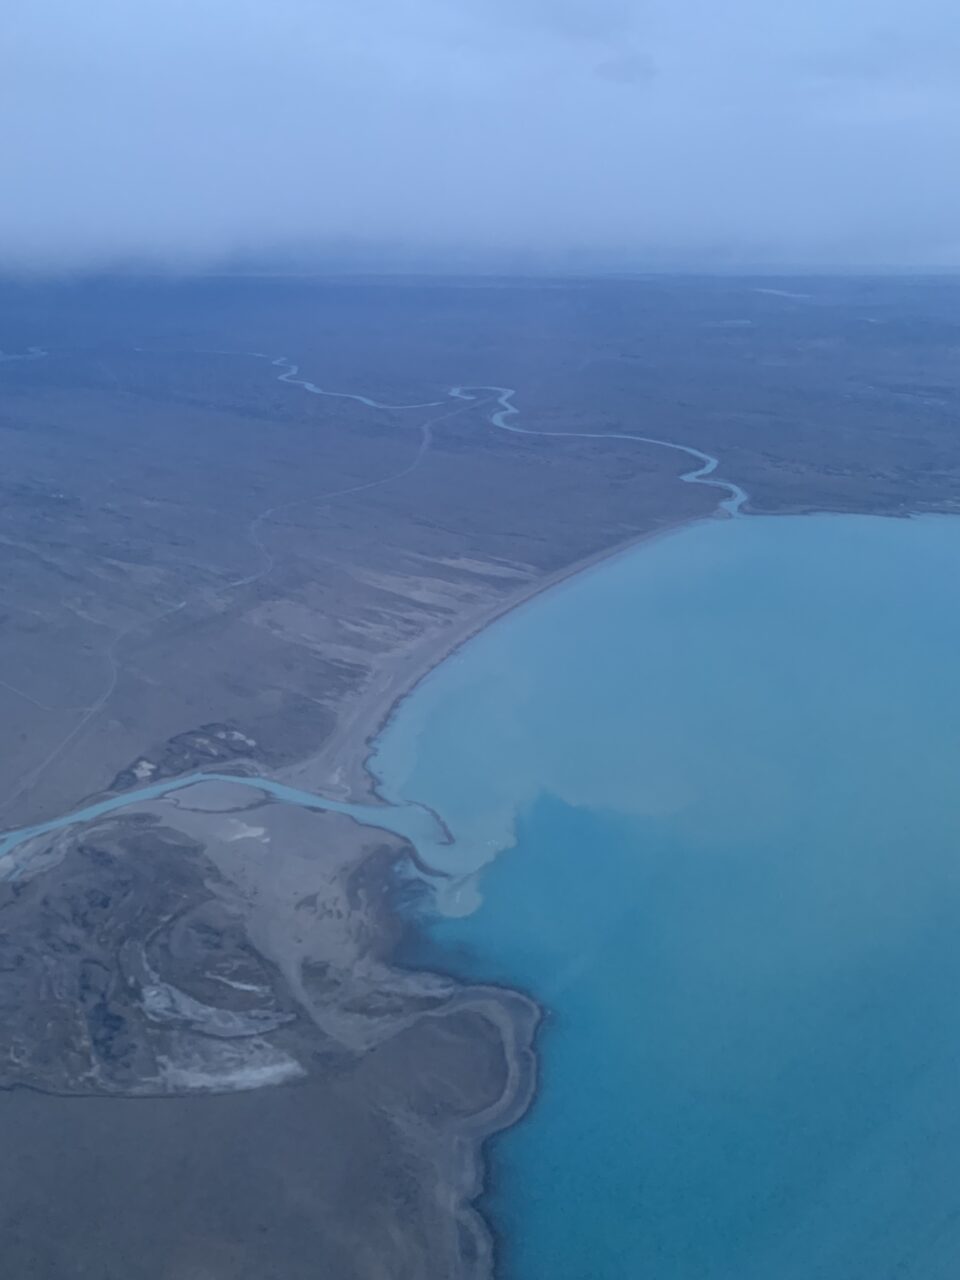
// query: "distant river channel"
[[706, 805]]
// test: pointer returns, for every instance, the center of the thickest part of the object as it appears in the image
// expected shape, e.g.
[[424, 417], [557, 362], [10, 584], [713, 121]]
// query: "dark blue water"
[[707, 807]]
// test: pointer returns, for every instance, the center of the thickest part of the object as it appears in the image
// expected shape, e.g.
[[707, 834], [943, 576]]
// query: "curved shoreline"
[[466, 1174]]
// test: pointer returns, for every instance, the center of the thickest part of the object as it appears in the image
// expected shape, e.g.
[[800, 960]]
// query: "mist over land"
[[597, 134]]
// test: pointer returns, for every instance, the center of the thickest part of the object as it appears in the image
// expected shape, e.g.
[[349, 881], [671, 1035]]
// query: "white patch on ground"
[[487, 568], [166, 1004], [244, 831], [236, 737], [237, 986], [144, 769], [224, 1067]]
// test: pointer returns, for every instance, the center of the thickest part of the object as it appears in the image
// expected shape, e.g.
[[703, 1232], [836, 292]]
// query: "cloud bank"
[[632, 133]]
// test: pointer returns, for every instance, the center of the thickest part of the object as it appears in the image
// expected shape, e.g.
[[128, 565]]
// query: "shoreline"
[[356, 782], [466, 1173], [463, 1161], [342, 768]]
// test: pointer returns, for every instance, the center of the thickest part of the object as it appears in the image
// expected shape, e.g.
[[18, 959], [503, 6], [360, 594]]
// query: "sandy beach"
[[341, 768]]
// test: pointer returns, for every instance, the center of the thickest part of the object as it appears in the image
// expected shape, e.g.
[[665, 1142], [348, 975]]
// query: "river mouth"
[[704, 800]]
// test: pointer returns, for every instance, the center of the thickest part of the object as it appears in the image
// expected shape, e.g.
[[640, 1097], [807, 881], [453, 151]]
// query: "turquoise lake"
[[706, 801]]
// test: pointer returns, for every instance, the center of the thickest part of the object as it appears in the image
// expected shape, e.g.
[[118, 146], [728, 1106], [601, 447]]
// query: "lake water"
[[707, 808]]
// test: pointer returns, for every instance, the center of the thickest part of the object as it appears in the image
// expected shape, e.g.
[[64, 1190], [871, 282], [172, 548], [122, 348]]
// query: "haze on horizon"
[[185, 134]]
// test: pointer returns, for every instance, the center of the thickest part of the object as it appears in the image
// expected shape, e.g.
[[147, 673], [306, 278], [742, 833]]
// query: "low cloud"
[[627, 132]]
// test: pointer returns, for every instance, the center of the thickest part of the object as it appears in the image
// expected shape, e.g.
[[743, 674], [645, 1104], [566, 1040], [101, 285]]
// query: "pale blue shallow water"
[[724, 770], [415, 823]]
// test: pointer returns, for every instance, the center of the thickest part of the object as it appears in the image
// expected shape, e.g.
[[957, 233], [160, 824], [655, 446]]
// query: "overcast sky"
[[634, 132]]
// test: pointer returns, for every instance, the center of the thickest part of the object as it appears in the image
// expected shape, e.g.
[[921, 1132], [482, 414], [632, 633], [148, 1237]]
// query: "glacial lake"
[[706, 804]]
